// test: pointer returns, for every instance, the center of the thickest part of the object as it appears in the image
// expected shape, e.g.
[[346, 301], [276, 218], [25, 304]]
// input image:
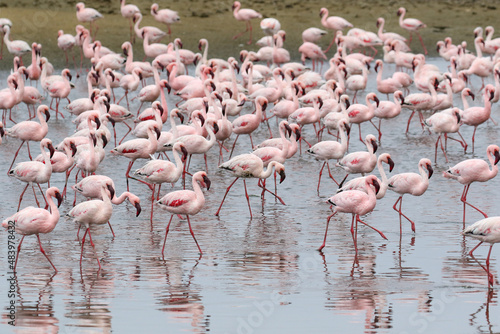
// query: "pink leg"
[[269, 191], [192, 234], [15, 156], [111, 228], [21, 197], [409, 120], [464, 200], [330, 173], [490, 276], [18, 251], [43, 252], [166, 233], [422, 42], [232, 149], [129, 129], [83, 243], [224, 198], [248, 198], [373, 228], [320, 173], [93, 246], [326, 231], [400, 200]]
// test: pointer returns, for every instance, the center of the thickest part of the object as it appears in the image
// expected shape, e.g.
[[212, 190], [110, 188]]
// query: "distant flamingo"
[[329, 149], [88, 15], [94, 212], [161, 171], [411, 183], [387, 35], [475, 170], [244, 14], [386, 86], [17, 47], [166, 16], [312, 34], [66, 42], [485, 230], [34, 171], [155, 34], [358, 203], [247, 166], [128, 12], [334, 23], [60, 89], [33, 220], [412, 25], [186, 202]]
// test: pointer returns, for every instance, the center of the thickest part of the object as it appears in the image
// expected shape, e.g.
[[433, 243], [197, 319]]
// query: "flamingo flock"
[[222, 99]]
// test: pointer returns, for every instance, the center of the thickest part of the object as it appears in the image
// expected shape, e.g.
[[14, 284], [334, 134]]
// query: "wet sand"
[[40, 20]]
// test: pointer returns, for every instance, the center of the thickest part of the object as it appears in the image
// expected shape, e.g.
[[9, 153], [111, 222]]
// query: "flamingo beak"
[[320, 101], [47, 114], [497, 157], [104, 141], [347, 104], [375, 146], [347, 129], [282, 175], [288, 129], [94, 139], [297, 134], [264, 106], [111, 190], [207, 181], [471, 94], [59, 198], [458, 117], [230, 92], [2, 132], [97, 122], [223, 111], [429, 168], [376, 100], [216, 128], [184, 153], [158, 133], [242, 103], [112, 121], [391, 164], [181, 117], [138, 208], [73, 149], [199, 46], [202, 119], [51, 149], [376, 67], [376, 185]]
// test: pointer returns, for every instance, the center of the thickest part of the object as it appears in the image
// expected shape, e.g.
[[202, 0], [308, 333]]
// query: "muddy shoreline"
[[40, 20]]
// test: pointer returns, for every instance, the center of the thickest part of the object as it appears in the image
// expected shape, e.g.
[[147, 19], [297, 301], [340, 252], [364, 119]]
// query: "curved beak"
[[376, 185], [216, 128], [59, 198], [375, 146], [207, 181], [429, 168], [184, 153], [111, 190], [51, 149], [158, 133], [73, 149], [297, 134], [288, 129], [282, 175], [497, 156], [138, 208], [391, 164], [47, 115]]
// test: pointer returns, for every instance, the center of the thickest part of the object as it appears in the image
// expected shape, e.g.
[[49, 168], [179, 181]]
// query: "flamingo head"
[[73, 148], [104, 140], [165, 84], [280, 169], [181, 116], [110, 189], [379, 21], [401, 11], [347, 127], [158, 132], [288, 128], [2, 131], [375, 98], [457, 114], [497, 155], [320, 102], [51, 148], [154, 9], [184, 152], [97, 121], [322, 12], [45, 110], [138, 209], [206, 181], [59, 197], [216, 128], [201, 118], [391, 163]]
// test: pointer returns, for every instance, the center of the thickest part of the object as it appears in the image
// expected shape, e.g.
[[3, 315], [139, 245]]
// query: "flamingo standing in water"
[[33, 220], [247, 166], [361, 161], [246, 124], [412, 25], [475, 170], [88, 15], [94, 212], [358, 203], [334, 23], [485, 230], [35, 171], [411, 183], [186, 202], [245, 14]]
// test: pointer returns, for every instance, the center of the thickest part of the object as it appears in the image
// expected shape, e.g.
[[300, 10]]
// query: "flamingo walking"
[[84, 14], [186, 202], [244, 14], [475, 170], [33, 220], [411, 183], [166, 16], [334, 23], [412, 25]]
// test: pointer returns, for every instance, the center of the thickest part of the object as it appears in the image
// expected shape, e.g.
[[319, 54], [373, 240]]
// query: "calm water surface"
[[262, 275]]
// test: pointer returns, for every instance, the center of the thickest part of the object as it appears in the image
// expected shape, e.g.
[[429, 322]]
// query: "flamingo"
[[474, 170], [29, 130], [421, 101], [87, 15], [244, 14], [66, 42], [312, 34], [160, 171], [166, 16], [139, 148], [412, 25], [485, 230], [94, 212], [359, 182], [246, 124], [128, 11], [360, 161], [186, 202], [388, 109], [34, 171], [33, 220], [155, 34], [386, 86], [60, 89], [411, 183], [334, 23], [3, 22], [246, 166], [329, 149], [358, 203], [16, 47], [387, 35], [359, 113]]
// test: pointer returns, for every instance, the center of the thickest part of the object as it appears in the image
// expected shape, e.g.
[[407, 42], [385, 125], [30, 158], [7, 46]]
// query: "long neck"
[[381, 29], [45, 156], [494, 168], [153, 141], [41, 118], [173, 126], [323, 18], [381, 171], [136, 25], [343, 139], [6, 39], [258, 111], [105, 196], [121, 199], [54, 211], [401, 18], [379, 74], [130, 56], [285, 142], [464, 101], [211, 134], [179, 166], [479, 53], [200, 198], [266, 173]]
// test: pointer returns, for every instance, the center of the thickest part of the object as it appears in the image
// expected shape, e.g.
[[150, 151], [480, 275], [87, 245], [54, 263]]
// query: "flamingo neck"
[[54, 211], [266, 173], [121, 198], [200, 198], [179, 166]]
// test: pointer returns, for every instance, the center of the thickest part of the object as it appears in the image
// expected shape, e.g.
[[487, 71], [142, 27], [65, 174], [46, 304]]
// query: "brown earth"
[[40, 20]]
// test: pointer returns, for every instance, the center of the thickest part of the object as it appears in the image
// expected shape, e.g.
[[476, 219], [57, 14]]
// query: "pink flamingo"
[[128, 11], [247, 166], [156, 171], [358, 203], [421, 101], [475, 170], [186, 202], [412, 25], [139, 148], [244, 14], [386, 86], [475, 116], [313, 52], [329, 149], [359, 113], [246, 124], [334, 23], [29, 130], [361, 161], [34, 171], [485, 230], [66, 42], [359, 182], [387, 35], [34, 70], [447, 121], [3, 22], [16, 47], [308, 115], [411, 183], [480, 66], [94, 212], [312, 34], [155, 34], [33, 220], [388, 109], [166, 16], [88, 15], [8, 98], [152, 50], [130, 83], [130, 64], [60, 90]]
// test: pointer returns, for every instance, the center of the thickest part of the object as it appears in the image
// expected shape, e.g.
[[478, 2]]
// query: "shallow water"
[[262, 275]]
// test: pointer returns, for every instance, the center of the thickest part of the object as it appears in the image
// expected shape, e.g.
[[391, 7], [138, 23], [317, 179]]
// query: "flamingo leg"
[[248, 198], [487, 269], [83, 243], [129, 129], [224, 198], [111, 228], [166, 233], [409, 120], [21, 197], [326, 231], [373, 228], [43, 195], [400, 200], [127, 175], [15, 156], [464, 200], [192, 234], [18, 251], [263, 186], [473, 137], [421, 42], [330, 173], [320, 173], [43, 252], [232, 149], [93, 246]]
